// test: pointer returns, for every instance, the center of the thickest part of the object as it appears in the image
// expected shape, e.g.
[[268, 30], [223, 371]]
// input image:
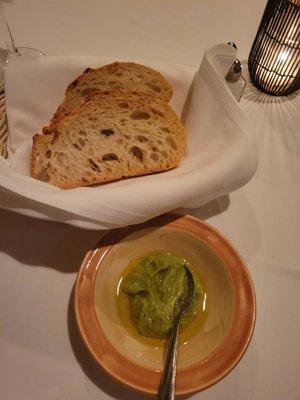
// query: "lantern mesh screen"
[[274, 60]]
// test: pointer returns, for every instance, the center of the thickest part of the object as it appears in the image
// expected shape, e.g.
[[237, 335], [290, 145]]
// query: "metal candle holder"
[[274, 60]]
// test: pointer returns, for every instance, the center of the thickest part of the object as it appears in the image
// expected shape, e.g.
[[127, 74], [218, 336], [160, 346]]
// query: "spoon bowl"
[[184, 305]]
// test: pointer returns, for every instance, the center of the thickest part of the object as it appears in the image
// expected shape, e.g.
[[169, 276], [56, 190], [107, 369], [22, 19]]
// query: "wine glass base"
[[21, 51], [29, 51]]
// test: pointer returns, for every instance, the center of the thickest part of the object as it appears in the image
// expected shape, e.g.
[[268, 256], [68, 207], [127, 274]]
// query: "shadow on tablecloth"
[[49, 244], [60, 246]]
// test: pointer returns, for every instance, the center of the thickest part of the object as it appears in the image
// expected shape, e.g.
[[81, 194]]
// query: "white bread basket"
[[220, 155]]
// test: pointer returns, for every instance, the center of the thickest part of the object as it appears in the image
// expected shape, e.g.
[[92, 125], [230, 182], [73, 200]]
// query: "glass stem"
[[7, 33]]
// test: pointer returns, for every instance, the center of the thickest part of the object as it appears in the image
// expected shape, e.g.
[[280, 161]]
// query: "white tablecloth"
[[41, 354]]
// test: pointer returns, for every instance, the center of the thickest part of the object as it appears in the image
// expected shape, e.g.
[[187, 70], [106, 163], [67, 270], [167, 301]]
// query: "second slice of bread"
[[109, 139], [127, 76]]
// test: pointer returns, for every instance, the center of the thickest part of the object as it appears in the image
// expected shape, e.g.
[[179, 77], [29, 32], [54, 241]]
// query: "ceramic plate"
[[211, 350]]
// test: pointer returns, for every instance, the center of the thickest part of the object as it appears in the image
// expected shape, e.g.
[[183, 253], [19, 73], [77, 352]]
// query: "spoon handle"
[[167, 387]]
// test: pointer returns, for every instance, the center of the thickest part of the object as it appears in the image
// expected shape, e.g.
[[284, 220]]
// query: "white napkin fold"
[[220, 154]]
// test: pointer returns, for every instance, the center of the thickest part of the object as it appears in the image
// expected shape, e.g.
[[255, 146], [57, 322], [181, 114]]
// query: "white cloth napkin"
[[220, 154]]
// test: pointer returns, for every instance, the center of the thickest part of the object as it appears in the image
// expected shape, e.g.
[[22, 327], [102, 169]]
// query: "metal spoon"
[[167, 387]]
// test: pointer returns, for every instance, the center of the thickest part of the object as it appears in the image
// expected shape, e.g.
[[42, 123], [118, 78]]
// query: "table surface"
[[41, 354]]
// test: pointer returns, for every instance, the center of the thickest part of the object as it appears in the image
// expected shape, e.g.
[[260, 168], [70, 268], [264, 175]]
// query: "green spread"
[[154, 284]]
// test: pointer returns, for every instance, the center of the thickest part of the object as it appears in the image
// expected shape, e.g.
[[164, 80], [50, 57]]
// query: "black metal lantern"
[[274, 60]]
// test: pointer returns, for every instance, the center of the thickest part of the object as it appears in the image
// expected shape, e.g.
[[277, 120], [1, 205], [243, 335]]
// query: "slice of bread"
[[109, 139], [119, 75]]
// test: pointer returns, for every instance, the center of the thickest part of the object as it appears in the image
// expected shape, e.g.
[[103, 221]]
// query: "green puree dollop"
[[154, 285]]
